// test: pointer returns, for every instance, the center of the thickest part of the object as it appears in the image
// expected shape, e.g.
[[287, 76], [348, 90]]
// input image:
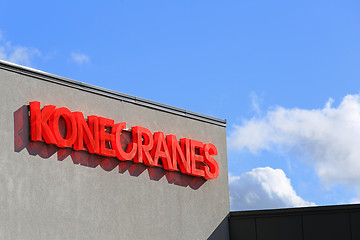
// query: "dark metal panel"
[[242, 229], [355, 225], [332, 226], [279, 228], [306, 223]]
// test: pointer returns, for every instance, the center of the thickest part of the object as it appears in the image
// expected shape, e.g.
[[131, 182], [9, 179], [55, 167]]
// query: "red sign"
[[101, 136]]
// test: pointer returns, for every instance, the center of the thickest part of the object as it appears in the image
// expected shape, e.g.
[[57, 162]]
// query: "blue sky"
[[268, 67]]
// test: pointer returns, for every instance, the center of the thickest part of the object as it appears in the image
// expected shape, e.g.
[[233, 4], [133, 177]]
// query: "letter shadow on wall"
[[22, 141]]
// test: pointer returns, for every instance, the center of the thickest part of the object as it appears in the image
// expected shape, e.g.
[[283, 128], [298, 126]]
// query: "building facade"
[[82, 162], [53, 191]]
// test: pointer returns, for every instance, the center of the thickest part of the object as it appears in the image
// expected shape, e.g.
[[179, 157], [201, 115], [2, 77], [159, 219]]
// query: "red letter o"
[[71, 128]]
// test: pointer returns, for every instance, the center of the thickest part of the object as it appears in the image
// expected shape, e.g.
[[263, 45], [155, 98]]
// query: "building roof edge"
[[108, 93]]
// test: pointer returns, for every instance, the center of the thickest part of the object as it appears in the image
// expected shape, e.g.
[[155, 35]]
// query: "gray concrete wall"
[[47, 194]]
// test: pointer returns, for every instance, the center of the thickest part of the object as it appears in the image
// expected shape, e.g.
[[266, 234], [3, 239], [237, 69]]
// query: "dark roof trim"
[[295, 211], [108, 93]]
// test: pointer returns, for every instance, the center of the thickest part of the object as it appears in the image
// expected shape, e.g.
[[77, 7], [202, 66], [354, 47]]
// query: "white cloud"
[[263, 188], [255, 103], [17, 54], [327, 139], [80, 58]]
